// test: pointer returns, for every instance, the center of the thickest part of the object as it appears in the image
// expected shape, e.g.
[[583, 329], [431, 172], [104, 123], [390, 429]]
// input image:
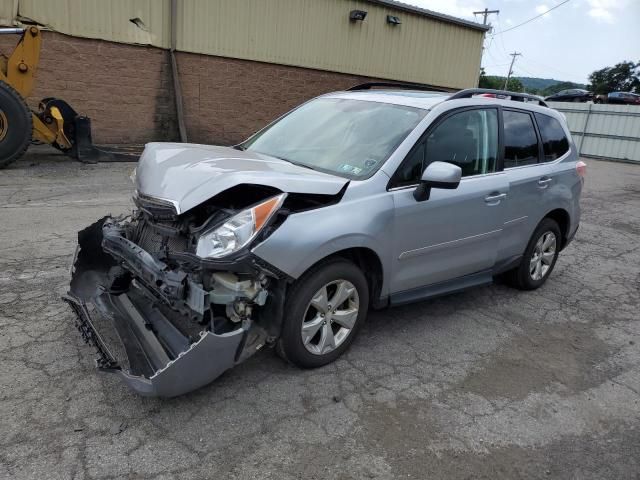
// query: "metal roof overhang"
[[431, 14]]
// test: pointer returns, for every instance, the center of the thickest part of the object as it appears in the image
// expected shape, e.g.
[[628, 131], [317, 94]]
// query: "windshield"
[[350, 138]]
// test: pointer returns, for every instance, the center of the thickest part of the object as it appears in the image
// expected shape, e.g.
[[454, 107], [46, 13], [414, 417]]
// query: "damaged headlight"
[[239, 230]]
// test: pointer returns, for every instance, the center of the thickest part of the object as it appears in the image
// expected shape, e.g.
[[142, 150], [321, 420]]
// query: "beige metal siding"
[[104, 19], [8, 11], [318, 34], [305, 33]]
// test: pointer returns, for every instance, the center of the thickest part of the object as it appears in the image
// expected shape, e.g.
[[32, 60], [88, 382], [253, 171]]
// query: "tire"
[[300, 310], [524, 277], [15, 125]]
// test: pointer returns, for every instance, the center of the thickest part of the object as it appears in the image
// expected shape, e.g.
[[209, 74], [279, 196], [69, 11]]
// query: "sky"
[[567, 43]]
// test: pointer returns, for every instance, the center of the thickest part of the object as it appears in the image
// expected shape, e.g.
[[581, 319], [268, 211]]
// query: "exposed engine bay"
[[162, 316]]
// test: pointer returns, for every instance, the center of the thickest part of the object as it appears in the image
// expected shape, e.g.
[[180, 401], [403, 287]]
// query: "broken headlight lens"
[[238, 230]]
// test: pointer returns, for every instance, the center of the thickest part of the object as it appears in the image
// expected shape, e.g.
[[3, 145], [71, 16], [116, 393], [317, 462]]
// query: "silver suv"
[[359, 199]]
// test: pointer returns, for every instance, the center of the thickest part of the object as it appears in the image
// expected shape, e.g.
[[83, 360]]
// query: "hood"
[[189, 174]]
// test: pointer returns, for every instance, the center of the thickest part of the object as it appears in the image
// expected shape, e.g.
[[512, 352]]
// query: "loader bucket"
[[84, 150]]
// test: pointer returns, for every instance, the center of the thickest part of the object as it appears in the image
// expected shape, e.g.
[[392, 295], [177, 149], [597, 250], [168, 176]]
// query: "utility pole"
[[513, 59], [486, 13]]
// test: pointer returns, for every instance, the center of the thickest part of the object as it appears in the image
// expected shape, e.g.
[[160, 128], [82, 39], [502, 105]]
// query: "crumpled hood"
[[189, 174]]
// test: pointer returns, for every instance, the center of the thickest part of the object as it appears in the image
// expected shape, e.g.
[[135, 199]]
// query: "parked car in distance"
[[354, 200], [620, 98], [571, 95]]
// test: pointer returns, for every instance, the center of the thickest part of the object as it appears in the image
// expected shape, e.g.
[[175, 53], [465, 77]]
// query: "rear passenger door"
[[530, 173]]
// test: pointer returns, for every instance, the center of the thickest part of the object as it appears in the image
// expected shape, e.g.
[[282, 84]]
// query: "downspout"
[[177, 89]]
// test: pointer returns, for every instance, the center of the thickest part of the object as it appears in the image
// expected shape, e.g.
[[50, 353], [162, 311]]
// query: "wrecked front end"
[[161, 316]]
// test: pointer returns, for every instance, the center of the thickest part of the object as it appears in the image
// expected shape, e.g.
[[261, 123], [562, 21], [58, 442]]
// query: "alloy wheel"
[[330, 317], [542, 257]]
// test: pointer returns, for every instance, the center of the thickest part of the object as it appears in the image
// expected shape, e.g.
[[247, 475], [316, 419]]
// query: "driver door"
[[455, 232]]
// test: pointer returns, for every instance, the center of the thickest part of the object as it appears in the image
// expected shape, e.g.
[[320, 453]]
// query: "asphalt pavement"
[[490, 383]]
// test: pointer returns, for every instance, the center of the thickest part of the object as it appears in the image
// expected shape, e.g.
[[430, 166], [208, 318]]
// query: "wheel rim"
[[4, 124], [330, 317], [542, 256]]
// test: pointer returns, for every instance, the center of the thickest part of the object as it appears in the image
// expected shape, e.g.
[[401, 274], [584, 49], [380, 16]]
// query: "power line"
[[504, 49], [532, 18]]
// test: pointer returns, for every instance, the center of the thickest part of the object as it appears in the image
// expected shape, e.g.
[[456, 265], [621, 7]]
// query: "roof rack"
[[401, 85], [515, 96]]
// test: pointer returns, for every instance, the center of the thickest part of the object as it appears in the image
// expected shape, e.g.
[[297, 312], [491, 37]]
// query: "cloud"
[[543, 10], [605, 10]]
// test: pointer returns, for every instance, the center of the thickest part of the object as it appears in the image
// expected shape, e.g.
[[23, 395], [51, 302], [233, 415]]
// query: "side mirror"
[[437, 175]]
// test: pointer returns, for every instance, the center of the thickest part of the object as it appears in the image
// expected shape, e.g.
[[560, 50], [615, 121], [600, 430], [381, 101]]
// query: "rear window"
[[554, 141], [520, 140]]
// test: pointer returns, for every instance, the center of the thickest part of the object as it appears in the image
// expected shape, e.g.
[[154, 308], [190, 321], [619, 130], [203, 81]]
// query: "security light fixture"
[[393, 20], [357, 15]]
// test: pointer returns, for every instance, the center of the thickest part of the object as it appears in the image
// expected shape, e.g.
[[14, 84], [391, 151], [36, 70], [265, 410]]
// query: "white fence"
[[610, 132]]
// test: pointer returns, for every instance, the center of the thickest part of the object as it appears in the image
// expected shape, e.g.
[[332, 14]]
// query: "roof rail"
[[401, 85], [515, 96]]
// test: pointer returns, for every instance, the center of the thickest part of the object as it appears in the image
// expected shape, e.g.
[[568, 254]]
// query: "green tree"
[[623, 77], [497, 83]]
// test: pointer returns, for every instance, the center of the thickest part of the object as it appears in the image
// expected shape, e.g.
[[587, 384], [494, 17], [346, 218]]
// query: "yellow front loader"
[[54, 123]]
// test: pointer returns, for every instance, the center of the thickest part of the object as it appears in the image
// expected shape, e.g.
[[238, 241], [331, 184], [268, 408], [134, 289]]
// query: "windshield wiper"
[[239, 147]]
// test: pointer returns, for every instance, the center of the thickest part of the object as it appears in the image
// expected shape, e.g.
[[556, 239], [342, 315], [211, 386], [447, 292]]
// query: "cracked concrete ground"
[[491, 383]]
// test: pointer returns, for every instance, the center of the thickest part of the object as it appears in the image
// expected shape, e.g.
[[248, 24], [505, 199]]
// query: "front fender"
[[305, 238]]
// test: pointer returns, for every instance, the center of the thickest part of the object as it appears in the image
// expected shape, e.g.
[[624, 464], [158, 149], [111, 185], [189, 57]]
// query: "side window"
[[554, 141], [468, 139], [520, 140]]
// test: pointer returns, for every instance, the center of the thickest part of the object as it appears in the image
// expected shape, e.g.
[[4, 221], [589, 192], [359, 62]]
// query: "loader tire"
[[16, 126]]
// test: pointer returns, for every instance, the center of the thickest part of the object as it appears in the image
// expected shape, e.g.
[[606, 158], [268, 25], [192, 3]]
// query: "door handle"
[[545, 181], [494, 198]]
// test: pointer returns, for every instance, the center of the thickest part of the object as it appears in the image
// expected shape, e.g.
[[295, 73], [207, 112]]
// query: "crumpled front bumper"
[[133, 336]]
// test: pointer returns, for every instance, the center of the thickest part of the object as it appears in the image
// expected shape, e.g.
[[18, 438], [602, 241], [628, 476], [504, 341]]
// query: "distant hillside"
[[540, 84]]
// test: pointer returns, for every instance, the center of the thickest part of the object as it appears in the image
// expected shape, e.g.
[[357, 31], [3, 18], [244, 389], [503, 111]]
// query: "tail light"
[[581, 169]]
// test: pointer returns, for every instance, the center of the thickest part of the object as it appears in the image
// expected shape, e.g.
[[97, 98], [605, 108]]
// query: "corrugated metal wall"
[[306, 33], [604, 131], [104, 19], [8, 11], [318, 34]]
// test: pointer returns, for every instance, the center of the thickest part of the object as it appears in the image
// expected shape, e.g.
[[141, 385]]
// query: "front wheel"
[[539, 258], [323, 313]]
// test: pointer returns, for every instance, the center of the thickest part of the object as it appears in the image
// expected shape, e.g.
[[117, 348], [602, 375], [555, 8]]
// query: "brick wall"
[[127, 90], [227, 99]]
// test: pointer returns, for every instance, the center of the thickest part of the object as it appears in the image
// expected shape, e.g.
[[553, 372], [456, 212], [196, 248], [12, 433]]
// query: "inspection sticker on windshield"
[[349, 169]]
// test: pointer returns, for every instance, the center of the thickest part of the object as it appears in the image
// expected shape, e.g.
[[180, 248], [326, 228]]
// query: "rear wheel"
[[539, 258], [15, 125], [323, 314]]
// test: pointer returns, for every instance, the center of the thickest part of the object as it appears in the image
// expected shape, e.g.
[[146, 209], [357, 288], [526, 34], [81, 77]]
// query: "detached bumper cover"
[[131, 333], [201, 363]]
